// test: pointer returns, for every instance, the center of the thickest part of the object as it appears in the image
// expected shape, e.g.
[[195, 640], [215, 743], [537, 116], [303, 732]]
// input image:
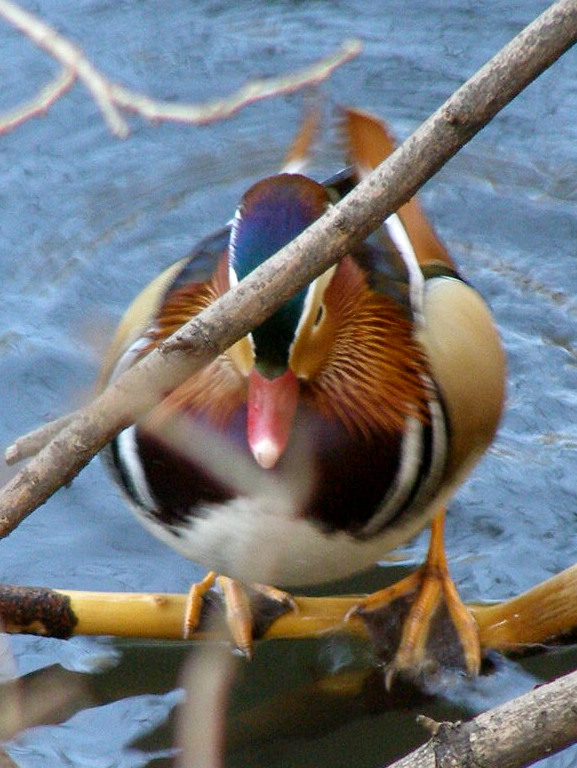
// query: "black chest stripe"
[[419, 473]]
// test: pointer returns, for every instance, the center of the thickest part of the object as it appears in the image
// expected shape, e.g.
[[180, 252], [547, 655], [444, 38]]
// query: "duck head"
[[271, 214]]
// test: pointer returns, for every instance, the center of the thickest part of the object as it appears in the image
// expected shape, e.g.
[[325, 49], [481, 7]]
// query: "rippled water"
[[86, 220]]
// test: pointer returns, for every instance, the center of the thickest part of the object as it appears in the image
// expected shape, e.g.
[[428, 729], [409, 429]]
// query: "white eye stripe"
[[232, 242], [232, 276], [131, 355], [313, 300]]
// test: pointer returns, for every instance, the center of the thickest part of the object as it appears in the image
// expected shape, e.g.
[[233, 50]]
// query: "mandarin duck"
[[338, 428]]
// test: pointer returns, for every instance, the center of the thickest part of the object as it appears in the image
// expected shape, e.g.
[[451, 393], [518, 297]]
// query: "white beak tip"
[[266, 453]]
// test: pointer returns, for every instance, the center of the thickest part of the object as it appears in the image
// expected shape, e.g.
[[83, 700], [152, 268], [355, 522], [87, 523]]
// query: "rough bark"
[[516, 734]]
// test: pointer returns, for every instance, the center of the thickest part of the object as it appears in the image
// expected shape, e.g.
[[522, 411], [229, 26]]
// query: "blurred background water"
[[86, 220]]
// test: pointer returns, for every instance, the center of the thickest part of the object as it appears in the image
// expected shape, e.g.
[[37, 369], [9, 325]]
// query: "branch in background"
[[40, 104], [248, 304], [30, 444], [112, 97], [256, 90], [69, 56]]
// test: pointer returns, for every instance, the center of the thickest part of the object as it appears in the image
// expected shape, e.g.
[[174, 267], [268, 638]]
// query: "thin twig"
[[71, 57], [40, 104], [30, 444], [112, 97], [256, 90]]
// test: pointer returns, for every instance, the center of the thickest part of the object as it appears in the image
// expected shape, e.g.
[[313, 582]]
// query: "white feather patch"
[[401, 239]]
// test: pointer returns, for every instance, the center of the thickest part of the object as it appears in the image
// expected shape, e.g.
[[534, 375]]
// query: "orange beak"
[[272, 404]]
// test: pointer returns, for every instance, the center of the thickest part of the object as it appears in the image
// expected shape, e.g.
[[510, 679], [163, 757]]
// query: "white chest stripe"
[[411, 474], [405, 479], [439, 450], [133, 468]]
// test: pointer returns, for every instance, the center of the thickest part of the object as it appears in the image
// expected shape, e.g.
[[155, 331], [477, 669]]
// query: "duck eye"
[[319, 317]]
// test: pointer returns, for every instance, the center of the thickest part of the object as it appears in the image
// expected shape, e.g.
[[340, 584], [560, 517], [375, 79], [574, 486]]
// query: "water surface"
[[86, 220]]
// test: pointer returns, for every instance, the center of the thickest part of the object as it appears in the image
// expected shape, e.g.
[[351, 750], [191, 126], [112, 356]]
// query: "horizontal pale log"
[[544, 614]]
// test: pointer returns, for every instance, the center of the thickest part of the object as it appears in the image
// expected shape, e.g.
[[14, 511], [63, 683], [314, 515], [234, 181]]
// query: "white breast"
[[256, 540]]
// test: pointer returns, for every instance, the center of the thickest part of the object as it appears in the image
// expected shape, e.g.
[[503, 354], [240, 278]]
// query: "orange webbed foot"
[[420, 625]]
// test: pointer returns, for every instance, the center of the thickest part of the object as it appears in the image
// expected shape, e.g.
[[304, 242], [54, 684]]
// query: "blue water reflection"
[[86, 220]]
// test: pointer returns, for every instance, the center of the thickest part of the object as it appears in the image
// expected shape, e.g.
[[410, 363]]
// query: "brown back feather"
[[369, 142]]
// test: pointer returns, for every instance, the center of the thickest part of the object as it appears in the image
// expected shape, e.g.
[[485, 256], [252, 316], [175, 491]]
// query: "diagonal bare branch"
[[265, 289], [70, 56], [515, 734]]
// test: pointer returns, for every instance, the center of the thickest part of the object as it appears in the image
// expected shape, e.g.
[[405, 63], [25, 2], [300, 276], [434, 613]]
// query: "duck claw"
[[248, 610]]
